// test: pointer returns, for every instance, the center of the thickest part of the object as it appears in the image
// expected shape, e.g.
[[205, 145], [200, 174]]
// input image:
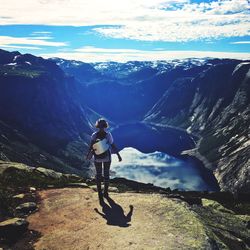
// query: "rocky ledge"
[[224, 217]]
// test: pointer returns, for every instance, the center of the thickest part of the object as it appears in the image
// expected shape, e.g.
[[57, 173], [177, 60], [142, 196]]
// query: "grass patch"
[[19, 178], [13, 71]]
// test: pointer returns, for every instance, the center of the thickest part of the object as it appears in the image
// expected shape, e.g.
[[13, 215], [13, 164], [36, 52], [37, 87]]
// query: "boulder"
[[189, 199], [19, 196], [32, 189], [76, 184], [49, 173], [93, 187], [13, 228], [216, 205], [72, 177], [111, 189], [10, 167], [26, 208]]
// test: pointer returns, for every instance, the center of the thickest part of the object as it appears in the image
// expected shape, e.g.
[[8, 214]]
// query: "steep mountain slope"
[[16, 147], [214, 105], [38, 100]]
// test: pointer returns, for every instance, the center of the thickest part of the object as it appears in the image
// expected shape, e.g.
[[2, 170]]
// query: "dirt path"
[[70, 218]]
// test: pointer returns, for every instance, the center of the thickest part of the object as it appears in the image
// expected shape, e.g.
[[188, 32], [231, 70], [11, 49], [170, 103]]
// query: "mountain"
[[131, 88], [48, 107], [40, 111], [207, 97], [83, 72], [215, 106]]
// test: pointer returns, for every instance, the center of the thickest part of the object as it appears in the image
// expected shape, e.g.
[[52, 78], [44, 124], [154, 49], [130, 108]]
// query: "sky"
[[126, 30]]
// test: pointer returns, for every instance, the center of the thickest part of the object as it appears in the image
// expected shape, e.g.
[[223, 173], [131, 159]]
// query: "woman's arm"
[[89, 155], [113, 146], [116, 151]]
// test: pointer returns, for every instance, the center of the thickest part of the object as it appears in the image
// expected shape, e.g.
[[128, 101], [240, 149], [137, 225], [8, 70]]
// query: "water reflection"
[[161, 170]]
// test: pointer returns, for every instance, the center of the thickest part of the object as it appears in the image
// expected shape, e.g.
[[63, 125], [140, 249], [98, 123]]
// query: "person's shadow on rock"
[[114, 213]]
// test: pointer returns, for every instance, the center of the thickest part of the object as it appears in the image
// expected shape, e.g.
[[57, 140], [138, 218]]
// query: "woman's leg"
[[98, 168], [106, 177]]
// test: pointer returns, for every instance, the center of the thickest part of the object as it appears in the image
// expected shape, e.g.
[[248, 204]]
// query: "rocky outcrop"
[[26, 208], [21, 175], [228, 228]]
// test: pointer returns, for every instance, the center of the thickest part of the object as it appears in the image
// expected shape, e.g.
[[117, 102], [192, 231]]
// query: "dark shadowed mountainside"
[[42, 120]]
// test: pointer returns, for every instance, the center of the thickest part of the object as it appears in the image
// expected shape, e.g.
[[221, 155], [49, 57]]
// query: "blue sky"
[[115, 30]]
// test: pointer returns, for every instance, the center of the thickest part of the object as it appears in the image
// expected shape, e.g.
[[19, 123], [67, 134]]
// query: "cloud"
[[92, 49], [43, 35], [21, 42], [158, 168], [132, 156], [41, 32], [241, 42], [42, 38], [18, 47], [151, 20], [94, 54]]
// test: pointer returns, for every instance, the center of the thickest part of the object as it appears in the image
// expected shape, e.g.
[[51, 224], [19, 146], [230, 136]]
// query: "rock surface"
[[129, 220], [18, 174], [74, 218], [19, 196], [134, 216]]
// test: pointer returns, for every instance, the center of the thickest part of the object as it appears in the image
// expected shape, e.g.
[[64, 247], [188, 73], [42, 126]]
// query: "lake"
[[162, 170], [151, 154]]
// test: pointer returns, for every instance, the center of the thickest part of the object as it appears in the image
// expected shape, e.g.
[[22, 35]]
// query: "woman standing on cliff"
[[100, 146]]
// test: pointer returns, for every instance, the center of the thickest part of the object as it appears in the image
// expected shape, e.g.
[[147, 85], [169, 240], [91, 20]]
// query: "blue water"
[[162, 170]]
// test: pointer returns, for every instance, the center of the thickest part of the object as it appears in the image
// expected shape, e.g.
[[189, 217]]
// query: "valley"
[[191, 103]]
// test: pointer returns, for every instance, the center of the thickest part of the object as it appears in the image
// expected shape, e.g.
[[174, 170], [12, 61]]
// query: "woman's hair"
[[101, 123]]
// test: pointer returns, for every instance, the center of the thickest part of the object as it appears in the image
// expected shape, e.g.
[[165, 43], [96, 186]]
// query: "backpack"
[[100, 146]]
